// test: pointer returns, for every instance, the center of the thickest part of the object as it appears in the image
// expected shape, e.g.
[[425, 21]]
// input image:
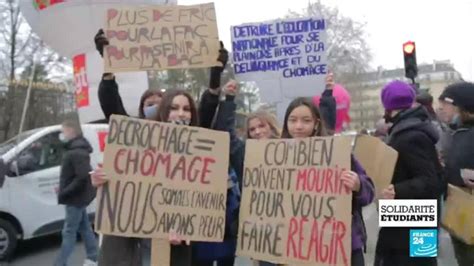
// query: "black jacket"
[[126, 251], [460, 154], [418, 173], [75, 187], [327, 107], [110, 100]]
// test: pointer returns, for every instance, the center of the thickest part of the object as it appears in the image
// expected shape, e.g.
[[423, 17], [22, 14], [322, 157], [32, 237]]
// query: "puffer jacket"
[[75, 187], [418, 172]]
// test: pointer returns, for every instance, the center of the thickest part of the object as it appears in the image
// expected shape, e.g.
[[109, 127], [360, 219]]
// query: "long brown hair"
[[147, 94], [167, 101], [320, 129], [467, 118], [265, 117]]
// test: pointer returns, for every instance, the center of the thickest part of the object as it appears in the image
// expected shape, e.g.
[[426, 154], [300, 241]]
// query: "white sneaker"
[[90, 263]]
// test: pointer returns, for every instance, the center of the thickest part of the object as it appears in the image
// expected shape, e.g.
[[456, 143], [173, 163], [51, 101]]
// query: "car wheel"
[[8, 239]]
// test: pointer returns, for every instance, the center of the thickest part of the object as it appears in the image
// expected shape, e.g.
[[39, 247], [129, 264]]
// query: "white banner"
[[408, 213]]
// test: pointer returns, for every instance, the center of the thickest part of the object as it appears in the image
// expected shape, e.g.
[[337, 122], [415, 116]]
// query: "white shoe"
[[90, 263]]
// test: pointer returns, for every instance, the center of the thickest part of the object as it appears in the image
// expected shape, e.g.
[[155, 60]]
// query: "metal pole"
[[27, 100]]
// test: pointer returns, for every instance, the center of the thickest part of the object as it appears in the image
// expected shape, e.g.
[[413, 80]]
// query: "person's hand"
[[468, 177], [231, 88], [351, 180], [330, 81], [216, 71], [100, 41], [98, 177], [389, 192], [223, 55], [175, 239]]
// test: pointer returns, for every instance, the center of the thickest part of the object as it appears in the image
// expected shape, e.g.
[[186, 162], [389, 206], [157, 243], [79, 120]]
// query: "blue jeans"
[[145, 247], [76, 221]]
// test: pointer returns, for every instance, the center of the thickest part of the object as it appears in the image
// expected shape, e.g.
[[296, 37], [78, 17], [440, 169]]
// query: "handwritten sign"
[[378, 160], [161, 37], [163, 177], [294, 207], [287, 58]]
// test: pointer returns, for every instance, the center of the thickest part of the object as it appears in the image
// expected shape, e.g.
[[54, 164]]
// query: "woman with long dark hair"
[[303, 120]]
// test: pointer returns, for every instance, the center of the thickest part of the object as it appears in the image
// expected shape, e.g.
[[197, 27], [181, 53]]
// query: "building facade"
[[366, 106]]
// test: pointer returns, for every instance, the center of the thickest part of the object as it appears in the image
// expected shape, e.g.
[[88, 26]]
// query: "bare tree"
[[18, 47], [348, 51]]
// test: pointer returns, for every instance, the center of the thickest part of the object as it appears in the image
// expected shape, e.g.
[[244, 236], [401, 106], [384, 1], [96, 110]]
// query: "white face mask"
[[63, 138], [150, 112], [456, 120]]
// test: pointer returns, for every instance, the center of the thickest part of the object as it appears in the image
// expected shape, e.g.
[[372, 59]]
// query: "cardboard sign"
[[458, 217], [378, 160], [287, 58], [163, 177], [161, 37], [295, 209]]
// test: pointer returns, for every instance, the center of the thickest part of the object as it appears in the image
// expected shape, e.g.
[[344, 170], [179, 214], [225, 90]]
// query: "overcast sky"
[[442, 29]]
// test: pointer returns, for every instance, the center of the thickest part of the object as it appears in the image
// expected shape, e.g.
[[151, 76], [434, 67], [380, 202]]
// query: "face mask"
[[150, 112], [388, 117], [184, 122], [455, 121], [63, 138]]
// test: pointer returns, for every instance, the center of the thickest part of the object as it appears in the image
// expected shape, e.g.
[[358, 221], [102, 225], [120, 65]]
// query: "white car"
[[29, 179]]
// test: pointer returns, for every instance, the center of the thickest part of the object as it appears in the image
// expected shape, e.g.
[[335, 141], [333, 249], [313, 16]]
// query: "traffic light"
[[409, 55]]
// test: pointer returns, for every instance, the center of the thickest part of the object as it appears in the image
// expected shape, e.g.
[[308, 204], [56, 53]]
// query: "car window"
[[9, 144], [42, 154]]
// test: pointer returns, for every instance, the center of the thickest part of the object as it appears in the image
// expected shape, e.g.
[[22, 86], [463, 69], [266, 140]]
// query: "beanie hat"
[[461, 95], [426, 100], [398, 95]]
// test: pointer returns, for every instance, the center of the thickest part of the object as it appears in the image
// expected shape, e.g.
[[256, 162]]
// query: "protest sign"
[[378, 160], [161, 37], [163, 177], [294, 208], [287, 58], [458, 217]]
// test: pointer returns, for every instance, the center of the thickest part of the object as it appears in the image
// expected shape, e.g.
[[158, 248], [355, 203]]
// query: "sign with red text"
[[163, 177], [295, 209], [80, 80], [161, 37]]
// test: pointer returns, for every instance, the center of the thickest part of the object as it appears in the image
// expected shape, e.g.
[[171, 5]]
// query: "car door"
[[34, 196]]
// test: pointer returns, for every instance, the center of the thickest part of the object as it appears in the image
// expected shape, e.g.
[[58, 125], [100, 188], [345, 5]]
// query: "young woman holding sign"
[[175, 107], [303, 120]]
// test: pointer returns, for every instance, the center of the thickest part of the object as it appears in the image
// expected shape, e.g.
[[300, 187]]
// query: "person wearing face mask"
[[149, 104], [302, 120], [76, 193], [109, 96], [138, 250], [179, 108], [458, 105], [418, 172]]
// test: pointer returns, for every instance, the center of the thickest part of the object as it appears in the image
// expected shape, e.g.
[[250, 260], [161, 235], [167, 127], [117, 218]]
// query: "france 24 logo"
[[423, 243]]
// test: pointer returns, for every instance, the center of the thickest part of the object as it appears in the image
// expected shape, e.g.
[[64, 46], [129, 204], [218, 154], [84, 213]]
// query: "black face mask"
[[388, 117]]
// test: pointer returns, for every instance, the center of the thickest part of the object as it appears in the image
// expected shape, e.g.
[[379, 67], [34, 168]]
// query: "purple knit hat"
[[398, 95]]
